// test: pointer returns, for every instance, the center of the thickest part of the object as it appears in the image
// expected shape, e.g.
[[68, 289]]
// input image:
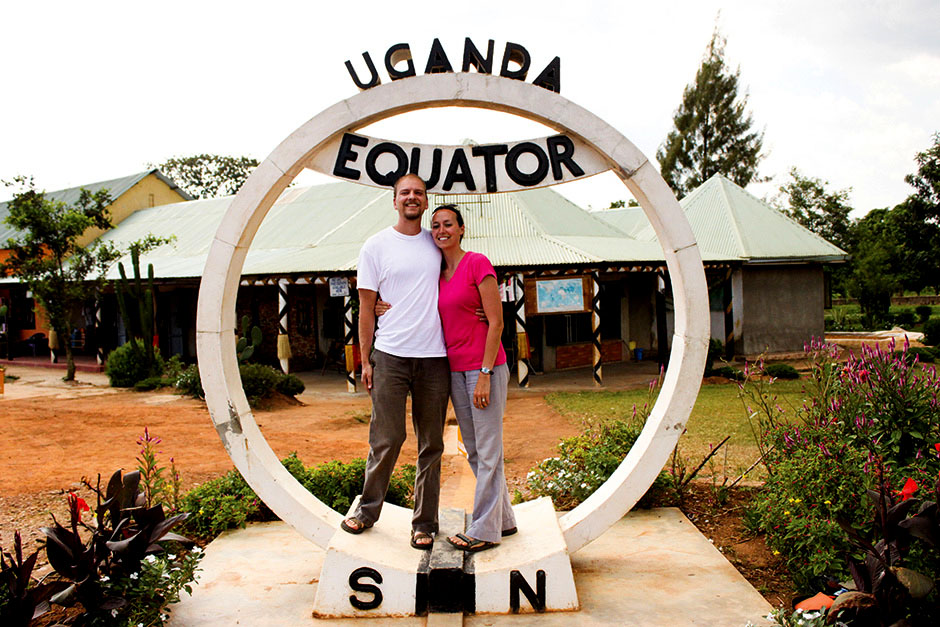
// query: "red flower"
[[78, 504], [910, 487], [937, 446]]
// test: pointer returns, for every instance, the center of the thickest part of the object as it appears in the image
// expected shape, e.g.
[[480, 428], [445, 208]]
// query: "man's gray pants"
[[482, 433], [428, 381]]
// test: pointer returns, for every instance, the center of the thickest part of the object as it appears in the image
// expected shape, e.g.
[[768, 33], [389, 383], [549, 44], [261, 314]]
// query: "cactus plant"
[[143, 326], [249, 341]]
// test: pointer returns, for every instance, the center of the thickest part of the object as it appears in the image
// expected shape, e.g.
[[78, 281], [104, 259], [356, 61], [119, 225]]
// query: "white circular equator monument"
[[215, 326]]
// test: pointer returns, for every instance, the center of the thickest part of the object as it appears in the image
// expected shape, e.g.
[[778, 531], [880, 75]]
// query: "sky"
[[847, 91]]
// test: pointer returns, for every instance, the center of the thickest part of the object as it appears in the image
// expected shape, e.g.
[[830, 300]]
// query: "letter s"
[[356, 585]]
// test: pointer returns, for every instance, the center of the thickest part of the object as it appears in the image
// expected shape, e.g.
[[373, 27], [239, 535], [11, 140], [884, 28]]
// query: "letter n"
[[518, 583]]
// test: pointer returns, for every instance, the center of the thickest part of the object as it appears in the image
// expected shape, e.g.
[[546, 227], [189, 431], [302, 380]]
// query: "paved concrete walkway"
[[651, 568]]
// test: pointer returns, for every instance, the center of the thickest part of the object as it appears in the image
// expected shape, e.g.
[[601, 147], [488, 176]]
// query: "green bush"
[[258, 381], [729, 373], [932, 332], [923, 313], [151, 383], [715, 351], [125, 367], [904, 318], [586, 461], [189, 383], [289, 385], [804, 495], [782, 371], [228, 502]]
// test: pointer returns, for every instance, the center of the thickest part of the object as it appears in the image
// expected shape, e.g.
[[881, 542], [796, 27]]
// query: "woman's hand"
[[481, 393], [381, 307]]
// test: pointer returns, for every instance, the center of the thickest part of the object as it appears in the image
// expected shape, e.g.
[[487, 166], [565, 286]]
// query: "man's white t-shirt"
[[404, 270]]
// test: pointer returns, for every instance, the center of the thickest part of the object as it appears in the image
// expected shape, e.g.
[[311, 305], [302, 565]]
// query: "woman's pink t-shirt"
[[457, 302]]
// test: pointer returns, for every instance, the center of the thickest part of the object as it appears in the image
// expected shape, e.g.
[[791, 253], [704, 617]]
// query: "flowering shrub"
[[877, 411], [584, 462]]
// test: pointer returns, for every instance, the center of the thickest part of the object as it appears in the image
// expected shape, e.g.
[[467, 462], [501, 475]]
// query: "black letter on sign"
[[512, 164], [560, 151], [376, 601], [346, 154], [373, 81], [436, 157], [550, 78], [397, 54], [516, 54], [391, 176], [517, 582], [472, 56], [489, 162], [437, 60], [459, 172]]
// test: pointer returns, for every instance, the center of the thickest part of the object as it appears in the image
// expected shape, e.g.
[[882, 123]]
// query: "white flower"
[[105, 579], [150, 559], [134, 576], [197, 550], [114, 613], [171, 557]]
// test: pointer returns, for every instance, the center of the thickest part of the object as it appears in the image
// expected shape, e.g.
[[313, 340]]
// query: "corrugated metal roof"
[[320, 229], [116, 187], [729, 223]]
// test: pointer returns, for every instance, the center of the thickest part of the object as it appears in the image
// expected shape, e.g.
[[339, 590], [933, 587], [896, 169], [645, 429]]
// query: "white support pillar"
[[596, 327], [283, 340], [349, 337], [522, 338], [99, 333]]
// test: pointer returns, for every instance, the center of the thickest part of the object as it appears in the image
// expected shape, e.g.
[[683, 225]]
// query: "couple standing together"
[[431, 343]]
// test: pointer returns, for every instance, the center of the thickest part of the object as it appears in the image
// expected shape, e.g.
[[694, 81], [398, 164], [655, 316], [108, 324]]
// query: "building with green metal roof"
[[764, 271]]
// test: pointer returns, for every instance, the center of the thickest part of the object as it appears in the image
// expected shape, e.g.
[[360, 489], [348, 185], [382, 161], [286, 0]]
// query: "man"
[[402, 263]]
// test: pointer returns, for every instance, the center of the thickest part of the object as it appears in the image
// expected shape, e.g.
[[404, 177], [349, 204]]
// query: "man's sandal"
[[470, 545], [356, 527], [421, 535]]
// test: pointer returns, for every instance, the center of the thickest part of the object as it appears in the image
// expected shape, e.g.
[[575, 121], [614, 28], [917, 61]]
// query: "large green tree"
[[46, 255], [713, 131], [918, 221], [825, 213], [209, 176]]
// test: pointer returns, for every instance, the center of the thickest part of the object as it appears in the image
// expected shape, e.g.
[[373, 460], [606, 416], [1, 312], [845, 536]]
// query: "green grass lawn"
[[718, 412]]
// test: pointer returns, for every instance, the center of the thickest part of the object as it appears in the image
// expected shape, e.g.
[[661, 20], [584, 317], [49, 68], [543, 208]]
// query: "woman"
[[479, 375]]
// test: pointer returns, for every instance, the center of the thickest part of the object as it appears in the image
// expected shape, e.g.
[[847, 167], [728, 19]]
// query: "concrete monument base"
[[378, 574], [653, 567]]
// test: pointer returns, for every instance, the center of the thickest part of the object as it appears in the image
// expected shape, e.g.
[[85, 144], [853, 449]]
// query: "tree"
[[209, 176], [926, 182], [875, 265], [61, 274], [918, 219], [712, 130], [824, 213]]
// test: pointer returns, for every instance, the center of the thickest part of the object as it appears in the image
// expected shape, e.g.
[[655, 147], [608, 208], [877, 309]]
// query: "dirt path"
[[52, 435]]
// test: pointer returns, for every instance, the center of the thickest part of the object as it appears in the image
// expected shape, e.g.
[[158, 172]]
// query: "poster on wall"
[[558, 295]]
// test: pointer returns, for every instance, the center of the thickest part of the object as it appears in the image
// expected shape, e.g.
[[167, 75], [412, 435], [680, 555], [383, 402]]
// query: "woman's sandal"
[[421, 535], [359, 525], [510, 532], [470, 545]]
